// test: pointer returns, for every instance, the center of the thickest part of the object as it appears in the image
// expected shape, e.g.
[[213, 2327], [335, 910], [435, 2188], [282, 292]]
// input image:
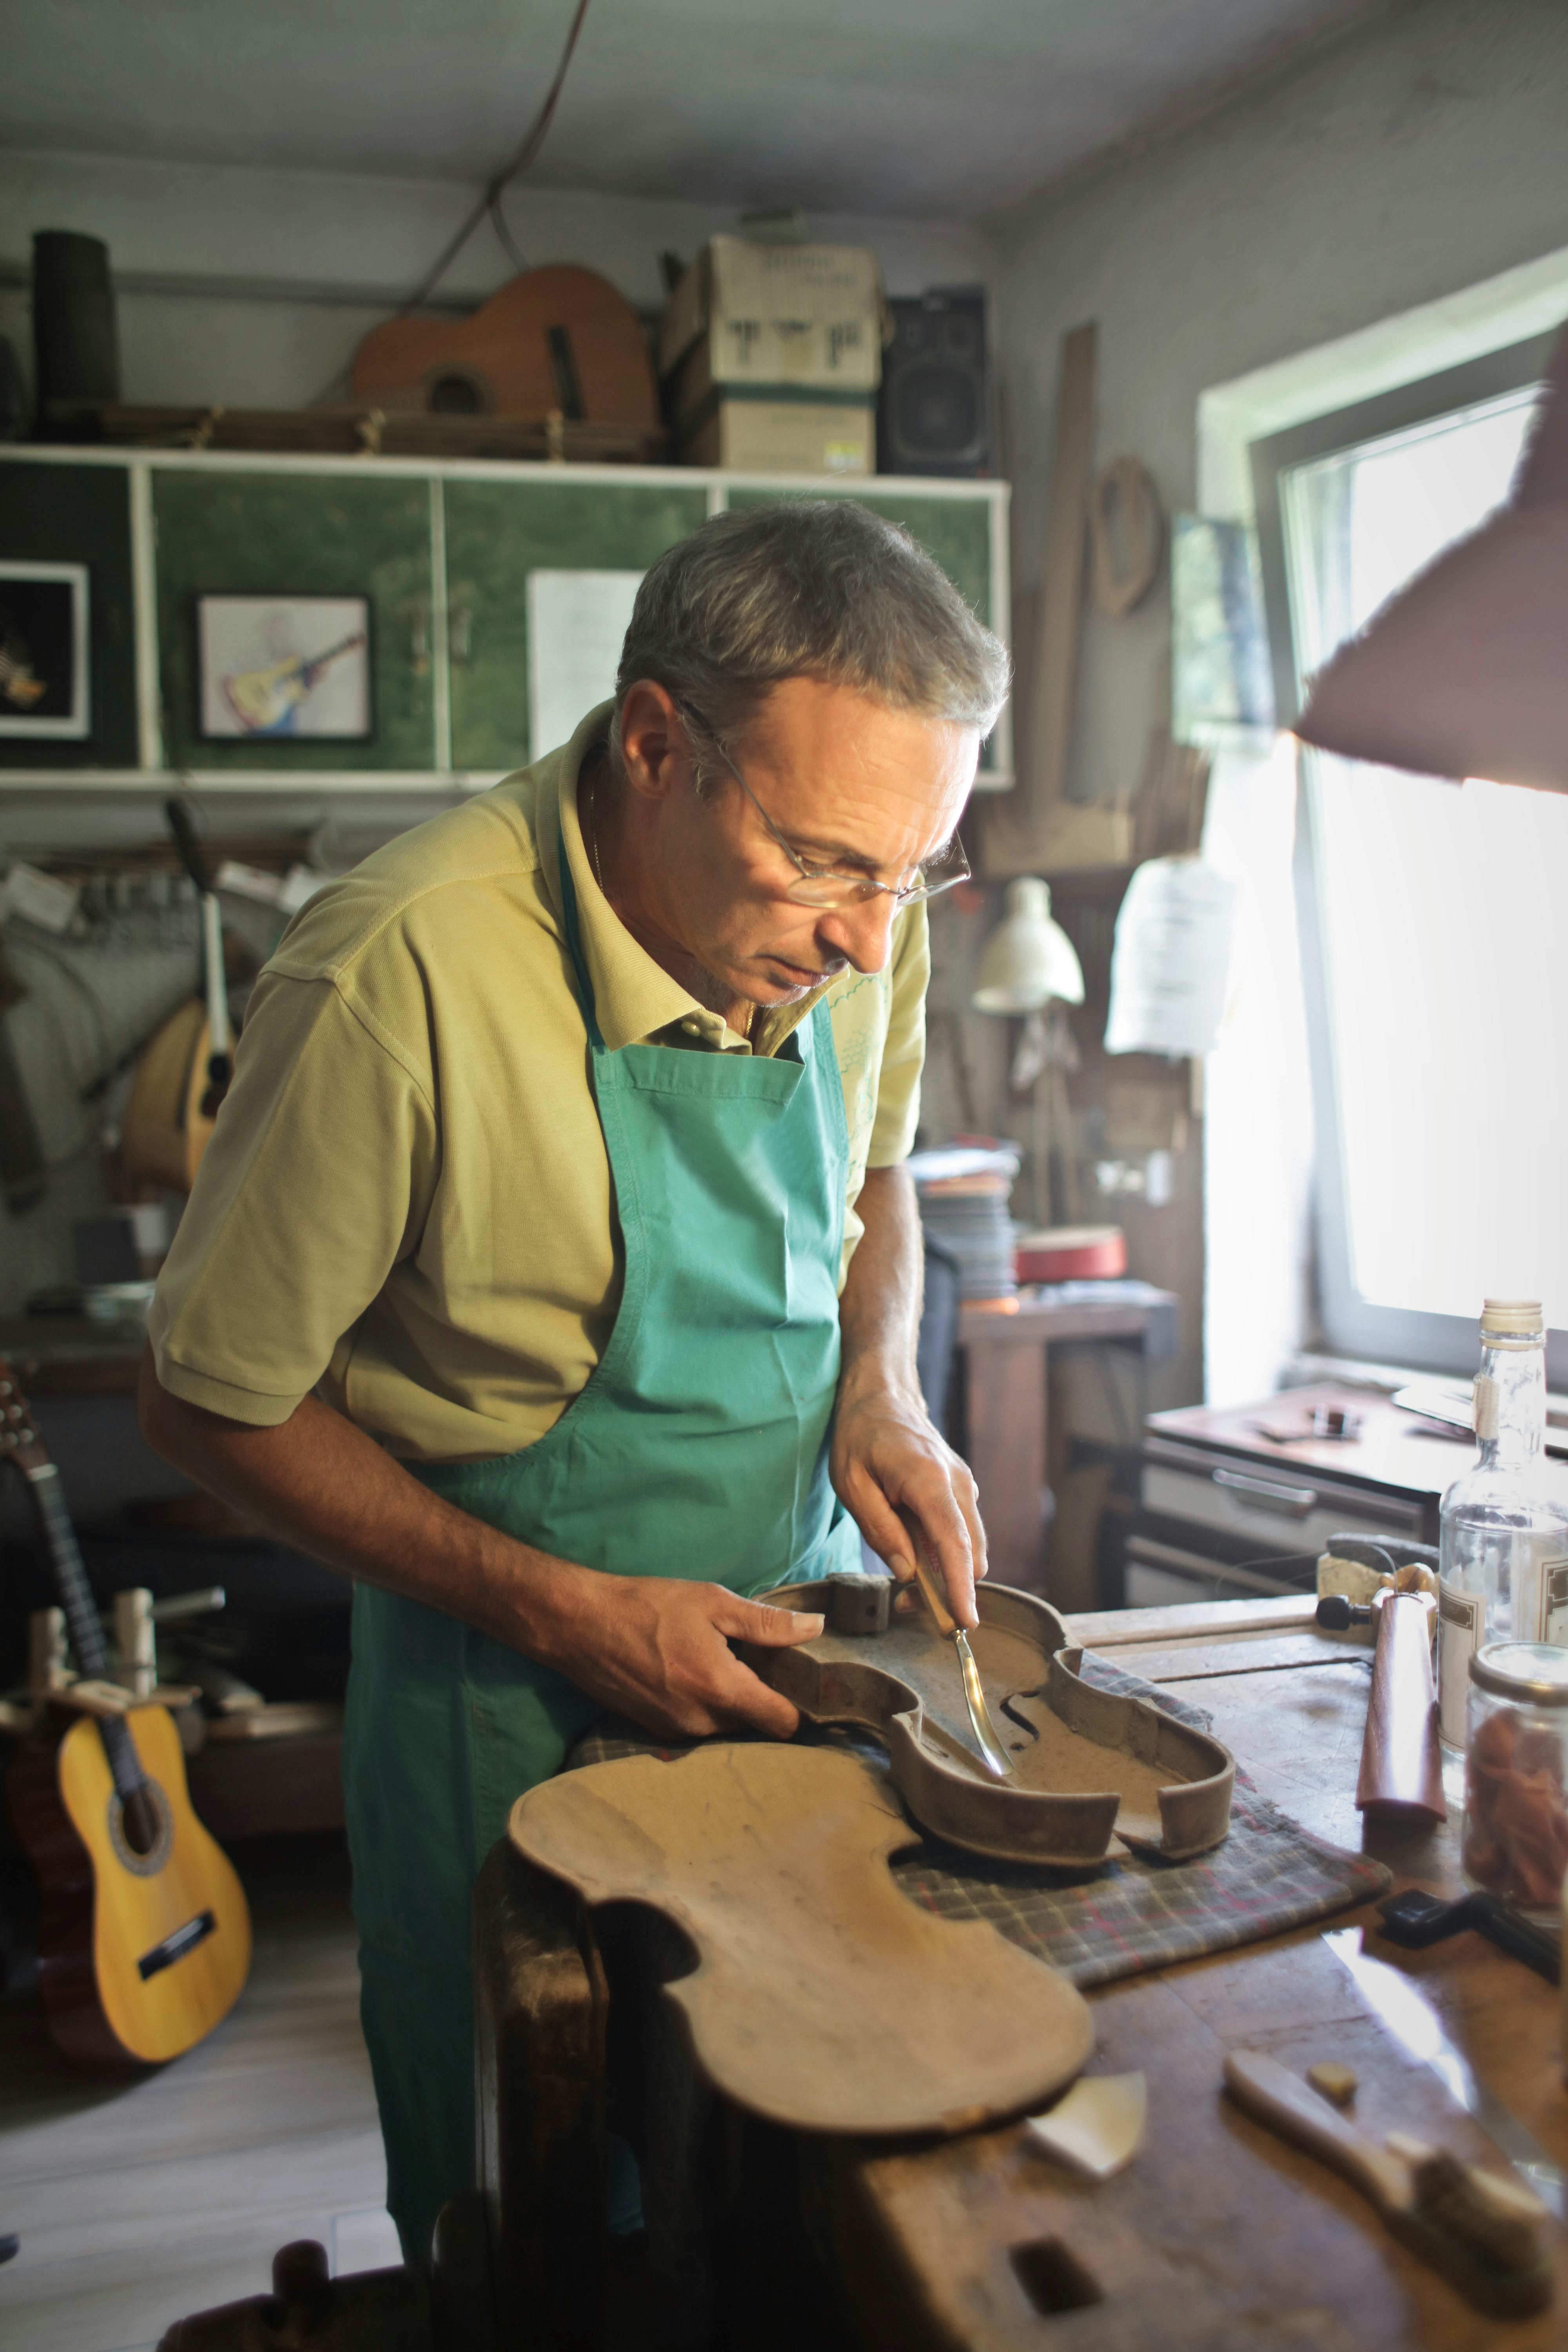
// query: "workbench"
[[1218, 2235]]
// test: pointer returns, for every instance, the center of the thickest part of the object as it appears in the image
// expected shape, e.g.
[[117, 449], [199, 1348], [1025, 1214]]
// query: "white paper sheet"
[[576, 620], [1170, 967]]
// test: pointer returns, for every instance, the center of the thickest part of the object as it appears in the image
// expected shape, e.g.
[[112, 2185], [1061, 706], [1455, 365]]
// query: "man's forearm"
[[654, 1648], [889, 1467], [880, 1311], [323, 1485]]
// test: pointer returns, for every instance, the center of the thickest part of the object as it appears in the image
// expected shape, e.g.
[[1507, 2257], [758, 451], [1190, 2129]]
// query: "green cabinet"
[[441, 555], [282, 533], [497, 533], [56, 512], [958, 531]]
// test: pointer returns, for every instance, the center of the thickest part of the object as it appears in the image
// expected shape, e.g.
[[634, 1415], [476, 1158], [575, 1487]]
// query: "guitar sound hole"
[[456, 395], [139, 1822], [140, 1829]]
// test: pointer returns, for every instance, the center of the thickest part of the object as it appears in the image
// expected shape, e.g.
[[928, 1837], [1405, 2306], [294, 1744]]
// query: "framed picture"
[[43, 650], [284, 668]]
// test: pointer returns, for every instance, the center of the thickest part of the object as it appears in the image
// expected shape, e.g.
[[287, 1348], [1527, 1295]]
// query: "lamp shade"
[[1465, 673], [1028, 960]]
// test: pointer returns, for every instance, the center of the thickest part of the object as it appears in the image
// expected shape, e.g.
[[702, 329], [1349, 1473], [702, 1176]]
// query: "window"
[[1437, 988]]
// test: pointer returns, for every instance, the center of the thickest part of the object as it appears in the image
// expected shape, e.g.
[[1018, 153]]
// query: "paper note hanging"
[[1170, 966], [576, 620]]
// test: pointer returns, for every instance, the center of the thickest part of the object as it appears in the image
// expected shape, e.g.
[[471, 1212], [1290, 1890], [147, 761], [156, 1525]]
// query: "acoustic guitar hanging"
[[556, 342], [144, 1939]]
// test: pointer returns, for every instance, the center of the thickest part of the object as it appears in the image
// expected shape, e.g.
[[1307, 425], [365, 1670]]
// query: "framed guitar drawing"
[[144, 1937]]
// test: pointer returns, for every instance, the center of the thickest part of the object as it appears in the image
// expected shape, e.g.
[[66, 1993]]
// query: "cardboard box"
[[772, 314], [751, 435]]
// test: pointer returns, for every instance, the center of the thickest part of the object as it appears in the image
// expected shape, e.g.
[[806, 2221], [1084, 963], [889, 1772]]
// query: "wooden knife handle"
[[1269, 2091], [1400, 1766], [929, 1583]]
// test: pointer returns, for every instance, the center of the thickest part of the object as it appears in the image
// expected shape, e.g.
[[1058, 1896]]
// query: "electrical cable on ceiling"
[[523, 155]]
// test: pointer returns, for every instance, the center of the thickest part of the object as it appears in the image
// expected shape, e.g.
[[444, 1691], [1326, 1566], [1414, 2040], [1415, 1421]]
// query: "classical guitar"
[[144, 1940], [559, 340]]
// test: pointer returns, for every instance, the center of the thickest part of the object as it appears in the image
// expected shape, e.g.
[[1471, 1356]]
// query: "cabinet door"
[[956, 531], [281, 535], [79, 514], [499, 532]]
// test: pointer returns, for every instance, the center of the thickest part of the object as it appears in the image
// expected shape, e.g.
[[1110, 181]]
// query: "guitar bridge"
[[177, 1945]]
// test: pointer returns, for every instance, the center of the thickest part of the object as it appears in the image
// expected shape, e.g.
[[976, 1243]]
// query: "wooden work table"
[[1219, 2236]]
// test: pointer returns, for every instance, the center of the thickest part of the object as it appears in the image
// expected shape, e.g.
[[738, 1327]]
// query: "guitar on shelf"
[[555, 340], [144, 1941]]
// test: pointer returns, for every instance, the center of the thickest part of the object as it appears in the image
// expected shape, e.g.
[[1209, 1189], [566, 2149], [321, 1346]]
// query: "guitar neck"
[[81, 1612], [70, 1575]]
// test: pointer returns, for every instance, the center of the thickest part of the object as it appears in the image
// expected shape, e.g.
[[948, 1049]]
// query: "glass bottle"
[[1503, 1548]]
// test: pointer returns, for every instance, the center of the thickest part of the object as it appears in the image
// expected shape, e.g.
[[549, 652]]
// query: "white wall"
[[1422, 155], [272, 234]]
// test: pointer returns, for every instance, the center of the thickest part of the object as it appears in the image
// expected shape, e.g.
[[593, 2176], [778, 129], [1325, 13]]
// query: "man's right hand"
[[658, 1649]]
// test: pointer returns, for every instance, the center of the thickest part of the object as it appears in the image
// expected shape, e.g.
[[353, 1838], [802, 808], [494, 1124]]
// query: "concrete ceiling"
[[941, 108]]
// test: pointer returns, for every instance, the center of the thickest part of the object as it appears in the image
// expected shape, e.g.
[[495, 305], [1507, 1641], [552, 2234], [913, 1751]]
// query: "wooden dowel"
[[1401, 1766]]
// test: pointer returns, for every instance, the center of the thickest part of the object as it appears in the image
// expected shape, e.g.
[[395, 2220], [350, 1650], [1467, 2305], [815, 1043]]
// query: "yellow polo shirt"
[[406, 1201]]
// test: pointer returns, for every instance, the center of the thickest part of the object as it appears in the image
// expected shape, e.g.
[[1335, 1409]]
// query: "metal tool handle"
[[1271, 1493]]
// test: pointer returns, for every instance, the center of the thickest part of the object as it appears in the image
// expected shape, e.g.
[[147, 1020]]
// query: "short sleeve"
[[316, 1181], [903, 1052]]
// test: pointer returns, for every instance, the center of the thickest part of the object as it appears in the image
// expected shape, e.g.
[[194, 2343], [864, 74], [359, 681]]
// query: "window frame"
[[1352, 1325]]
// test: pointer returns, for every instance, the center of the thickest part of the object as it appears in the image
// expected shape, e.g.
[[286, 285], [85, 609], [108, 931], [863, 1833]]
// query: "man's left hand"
[[888, 1458]]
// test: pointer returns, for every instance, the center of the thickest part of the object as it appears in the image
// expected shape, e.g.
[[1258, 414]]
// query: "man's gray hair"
[[818, 588]]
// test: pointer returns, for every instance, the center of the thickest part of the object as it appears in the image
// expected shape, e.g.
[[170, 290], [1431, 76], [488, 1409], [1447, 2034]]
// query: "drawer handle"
[[1293, 1502]]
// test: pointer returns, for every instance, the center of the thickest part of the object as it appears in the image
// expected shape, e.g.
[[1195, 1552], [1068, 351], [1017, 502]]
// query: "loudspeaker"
[[75, 339], [932, 414]]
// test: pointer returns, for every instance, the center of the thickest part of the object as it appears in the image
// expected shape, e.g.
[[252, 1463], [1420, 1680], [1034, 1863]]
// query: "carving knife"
[[986, 1736]]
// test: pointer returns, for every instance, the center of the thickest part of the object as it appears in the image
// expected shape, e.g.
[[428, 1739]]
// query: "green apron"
[[698, 1448]]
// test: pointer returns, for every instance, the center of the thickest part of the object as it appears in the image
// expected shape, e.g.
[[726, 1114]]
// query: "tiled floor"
[[141, 2198]]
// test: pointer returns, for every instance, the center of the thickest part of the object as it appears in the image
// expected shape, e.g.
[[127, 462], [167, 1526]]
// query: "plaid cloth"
[[1129, 1914]]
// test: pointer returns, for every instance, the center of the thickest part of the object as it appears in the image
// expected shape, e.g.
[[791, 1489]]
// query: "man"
[[551, 1269]]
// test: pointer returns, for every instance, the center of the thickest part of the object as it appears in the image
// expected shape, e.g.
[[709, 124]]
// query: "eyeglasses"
[[830, 885]]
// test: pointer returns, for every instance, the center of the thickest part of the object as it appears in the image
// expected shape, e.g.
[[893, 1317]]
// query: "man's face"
[[846, 782]]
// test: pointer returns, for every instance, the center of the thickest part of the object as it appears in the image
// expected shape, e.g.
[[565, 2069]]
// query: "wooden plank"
[[1004, 1444], [1035, 829], [1110, 1629], [1188, 1661]]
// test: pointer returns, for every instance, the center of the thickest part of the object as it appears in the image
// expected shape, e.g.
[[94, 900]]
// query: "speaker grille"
[[937, 410]]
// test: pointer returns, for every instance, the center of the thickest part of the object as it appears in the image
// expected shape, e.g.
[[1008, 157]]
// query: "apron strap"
[[575, 942]]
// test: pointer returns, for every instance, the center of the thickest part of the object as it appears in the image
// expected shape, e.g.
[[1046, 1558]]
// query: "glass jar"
[[1516, 1774]]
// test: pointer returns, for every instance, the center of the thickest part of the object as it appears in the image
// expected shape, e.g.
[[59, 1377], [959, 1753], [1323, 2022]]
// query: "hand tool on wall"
[[220, 1039]]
